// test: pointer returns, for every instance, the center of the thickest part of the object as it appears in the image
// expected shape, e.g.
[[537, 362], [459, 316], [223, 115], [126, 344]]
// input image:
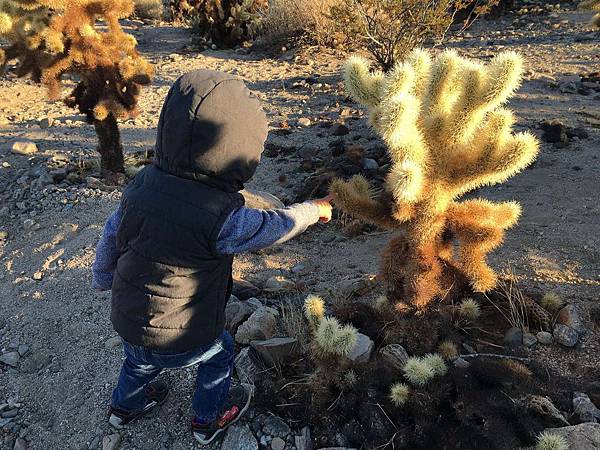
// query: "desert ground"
[[59, 386]]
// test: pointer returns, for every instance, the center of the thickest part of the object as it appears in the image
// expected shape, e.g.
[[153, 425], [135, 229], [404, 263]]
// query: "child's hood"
[[211, 129]]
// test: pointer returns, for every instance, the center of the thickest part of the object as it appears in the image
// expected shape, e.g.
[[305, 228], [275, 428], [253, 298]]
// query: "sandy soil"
[[64, 381]]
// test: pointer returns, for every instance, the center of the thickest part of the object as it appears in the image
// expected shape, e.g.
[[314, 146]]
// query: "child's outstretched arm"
[[248, 229], [106, 254]]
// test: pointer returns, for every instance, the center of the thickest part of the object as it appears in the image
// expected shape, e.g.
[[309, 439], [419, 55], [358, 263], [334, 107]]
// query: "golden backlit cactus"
[[447, 134], [50, 38]]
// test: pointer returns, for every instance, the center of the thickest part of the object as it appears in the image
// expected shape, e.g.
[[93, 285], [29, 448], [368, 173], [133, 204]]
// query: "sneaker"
[[237, 404], [156, 394]]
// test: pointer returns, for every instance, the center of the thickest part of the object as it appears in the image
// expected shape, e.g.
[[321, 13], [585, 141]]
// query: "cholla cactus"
[[447, 134], [314, 310], [592, 5], [419, 371], [469, 309], [50, 38], [552, 302], [399, 394], [448, 350], [437, 364], [551, 441]]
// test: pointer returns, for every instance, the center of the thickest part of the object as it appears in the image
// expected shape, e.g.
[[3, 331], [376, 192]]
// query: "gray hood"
[[212, 130]]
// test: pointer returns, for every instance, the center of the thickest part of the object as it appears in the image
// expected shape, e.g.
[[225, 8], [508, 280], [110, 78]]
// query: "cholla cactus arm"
[[355, 197], [365, 87], [314, 310]]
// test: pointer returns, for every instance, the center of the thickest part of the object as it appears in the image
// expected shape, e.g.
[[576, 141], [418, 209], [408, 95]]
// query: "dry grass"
[[287, 19], [515, 308], [294, 323]]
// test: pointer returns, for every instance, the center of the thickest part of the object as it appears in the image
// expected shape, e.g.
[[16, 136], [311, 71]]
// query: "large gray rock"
[[259, 326], [361, 353], [583, 408], [10, 359], [565, 335], [261, 199], [111, 442], [276, 427], [570, 317], [277, 351], [245, 366], [585, 436], [236, 313], [303, 441], [239, 437], [394, 356]]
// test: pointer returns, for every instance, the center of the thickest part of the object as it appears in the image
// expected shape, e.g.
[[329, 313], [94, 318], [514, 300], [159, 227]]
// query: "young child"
[[167, 251]]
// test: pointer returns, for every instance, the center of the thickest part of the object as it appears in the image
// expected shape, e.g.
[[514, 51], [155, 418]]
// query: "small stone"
[[111, 442], [46, 122], [555, 132], [529, 339], [10, 359], [370, 164], [38, 275], [277, 351], [94, 183], [304, 122], [565, 335], [112, 342], [10, 413], [279, 284], [513, 337], [259, 326], [24, 148], [461, 363], [23, 349], [28, 223], [244, 290], [276, 427], [277, 444], [244, 366], [239, 437], [20, 444], [394, 355], [361, 353], [340, 130], [303, 441], [544, 338], [570, 317], [583, 408]]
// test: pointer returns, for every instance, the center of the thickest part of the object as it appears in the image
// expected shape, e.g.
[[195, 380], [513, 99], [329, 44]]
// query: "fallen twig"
[[494, 355]]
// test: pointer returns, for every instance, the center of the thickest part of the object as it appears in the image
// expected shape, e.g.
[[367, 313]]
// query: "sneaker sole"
[[242, 412], [112, 420]]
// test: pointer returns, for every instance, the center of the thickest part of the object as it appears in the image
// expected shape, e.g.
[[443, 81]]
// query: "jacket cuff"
[[102, 280]]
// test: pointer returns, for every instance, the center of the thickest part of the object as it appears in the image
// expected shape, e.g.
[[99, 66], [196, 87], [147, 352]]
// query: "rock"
[[461, 363], [23, 349], [304, 122], [340, 130], [236, 313], [277, 351], [261, 199], [111, 442], [394, 355], [580, 133], [38, 275], [244, 290], [20, 444], [555, 132], [24, 148], [585, 436], [277, 444], [570, 84], [529, 339], [303, 441], [570, 317], [259, 326], [565, 335], [46, 122], [356, 286], [370, 164], [10, 359], [10, 413], [583, 408], [544, 337], [279, 284], [244, 366], [513, 337], [276, 427], [4, 422], [361, 353], [239, 437], [112, 342], [94, 183]]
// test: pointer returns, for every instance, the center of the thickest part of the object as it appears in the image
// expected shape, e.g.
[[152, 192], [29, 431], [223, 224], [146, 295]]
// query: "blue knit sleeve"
[[106, 253], [248, 229]]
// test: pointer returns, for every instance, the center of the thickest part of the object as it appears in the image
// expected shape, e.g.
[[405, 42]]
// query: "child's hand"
[[325, 208]]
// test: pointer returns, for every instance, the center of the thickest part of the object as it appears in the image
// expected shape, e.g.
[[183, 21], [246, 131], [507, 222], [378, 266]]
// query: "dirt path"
[[69, 364]]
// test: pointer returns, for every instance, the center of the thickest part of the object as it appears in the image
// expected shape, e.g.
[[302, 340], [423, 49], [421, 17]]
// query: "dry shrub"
[[149, 9], [287, 19]]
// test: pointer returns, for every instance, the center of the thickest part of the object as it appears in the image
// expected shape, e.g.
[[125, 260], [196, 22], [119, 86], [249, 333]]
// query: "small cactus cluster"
[[448, 350], [447, 132], [399, 394], [331, 339], [551, 441], [552, 302], [419, 371], [469, 309]]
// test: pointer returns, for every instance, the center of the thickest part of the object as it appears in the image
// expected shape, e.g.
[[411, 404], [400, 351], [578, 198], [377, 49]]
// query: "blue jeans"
[[142, 365]]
